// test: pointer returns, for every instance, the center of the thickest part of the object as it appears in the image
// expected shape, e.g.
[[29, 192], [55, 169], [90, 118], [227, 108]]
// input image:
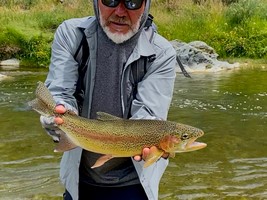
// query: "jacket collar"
[[143, 47]]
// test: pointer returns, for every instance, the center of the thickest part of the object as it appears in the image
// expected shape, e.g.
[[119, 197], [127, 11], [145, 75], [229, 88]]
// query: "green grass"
[[29, 27], [238, 30]]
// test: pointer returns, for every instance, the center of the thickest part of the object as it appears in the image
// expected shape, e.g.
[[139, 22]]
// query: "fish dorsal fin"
[[106, 117]]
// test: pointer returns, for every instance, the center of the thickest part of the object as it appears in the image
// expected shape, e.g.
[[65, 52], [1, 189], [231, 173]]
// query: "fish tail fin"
[[44, 103], [64, 144], [40, 107]]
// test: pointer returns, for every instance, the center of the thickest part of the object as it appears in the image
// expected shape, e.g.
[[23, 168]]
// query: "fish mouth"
[[192, 145]]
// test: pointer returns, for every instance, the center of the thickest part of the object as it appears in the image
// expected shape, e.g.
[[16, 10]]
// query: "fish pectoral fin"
[[102, 160], [105, 116], [153, 156], [64, 144]]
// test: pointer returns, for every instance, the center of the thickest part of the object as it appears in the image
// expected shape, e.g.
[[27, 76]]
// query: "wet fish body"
[[117, 137]]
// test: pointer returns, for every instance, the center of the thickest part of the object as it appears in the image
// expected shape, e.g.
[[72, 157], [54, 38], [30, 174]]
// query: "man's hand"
[[146, 152], [50, 124], [60, 109]]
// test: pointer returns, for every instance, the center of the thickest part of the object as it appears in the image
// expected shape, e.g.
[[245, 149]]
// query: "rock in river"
[[197, 56]]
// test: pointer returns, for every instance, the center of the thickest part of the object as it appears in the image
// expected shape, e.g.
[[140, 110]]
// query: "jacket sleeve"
[[63, 69], [154, 92]]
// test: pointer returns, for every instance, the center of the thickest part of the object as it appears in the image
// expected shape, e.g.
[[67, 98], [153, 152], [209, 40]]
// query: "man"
[[116, 38]]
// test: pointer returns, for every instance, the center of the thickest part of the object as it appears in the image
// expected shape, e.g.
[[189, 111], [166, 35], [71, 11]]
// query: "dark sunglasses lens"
[[133, 4], [111, 3]]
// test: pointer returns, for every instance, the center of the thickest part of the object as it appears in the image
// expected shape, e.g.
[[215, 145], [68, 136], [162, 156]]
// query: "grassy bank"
[[236, 30], [28, 27]]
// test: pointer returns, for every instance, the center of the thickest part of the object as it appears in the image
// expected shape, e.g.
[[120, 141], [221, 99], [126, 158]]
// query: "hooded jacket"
[[152, 100]]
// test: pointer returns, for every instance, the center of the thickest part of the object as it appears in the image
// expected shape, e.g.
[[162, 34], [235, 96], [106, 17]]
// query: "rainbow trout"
[[117, 137]]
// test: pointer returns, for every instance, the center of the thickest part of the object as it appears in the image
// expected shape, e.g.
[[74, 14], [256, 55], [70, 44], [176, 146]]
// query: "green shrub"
[[34, 50], [240, 13], [49, 21], [24, 4], [244, 32], [236, 30], [37, 51], [239, 43]]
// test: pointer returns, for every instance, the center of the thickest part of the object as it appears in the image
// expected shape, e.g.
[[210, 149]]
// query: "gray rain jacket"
[[152, 100]]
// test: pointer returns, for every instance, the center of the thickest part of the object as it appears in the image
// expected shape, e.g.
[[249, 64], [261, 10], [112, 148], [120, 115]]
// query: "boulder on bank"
[[10, 64], [197, 56]]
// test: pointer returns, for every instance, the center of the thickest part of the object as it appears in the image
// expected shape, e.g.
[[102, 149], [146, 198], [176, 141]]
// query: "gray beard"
[[119, 38]]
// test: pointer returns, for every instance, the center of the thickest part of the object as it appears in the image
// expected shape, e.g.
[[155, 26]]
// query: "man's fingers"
[[143, 156], [58, 120], [145, 153], [60, 109], [137, 158]]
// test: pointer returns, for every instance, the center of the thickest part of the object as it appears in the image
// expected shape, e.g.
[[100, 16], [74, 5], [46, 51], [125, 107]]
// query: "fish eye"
[[184, 136]]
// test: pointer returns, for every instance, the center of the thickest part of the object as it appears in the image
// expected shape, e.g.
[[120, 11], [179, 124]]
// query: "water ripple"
[[26, 160], [27, 181], [242, 177]]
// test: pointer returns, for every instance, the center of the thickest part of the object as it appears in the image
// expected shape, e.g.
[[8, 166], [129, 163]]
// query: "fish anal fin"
[[105, 116], [154, 154], [64, 144], [102, 160], [168, 142]]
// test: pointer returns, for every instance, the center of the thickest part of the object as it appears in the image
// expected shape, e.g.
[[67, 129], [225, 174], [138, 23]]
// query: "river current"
[[231, 108]]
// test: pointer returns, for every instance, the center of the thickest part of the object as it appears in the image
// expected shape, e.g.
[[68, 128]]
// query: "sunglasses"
[[129, 4]]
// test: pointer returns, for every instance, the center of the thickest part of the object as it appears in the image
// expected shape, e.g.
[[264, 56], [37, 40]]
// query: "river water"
[[231, 107]]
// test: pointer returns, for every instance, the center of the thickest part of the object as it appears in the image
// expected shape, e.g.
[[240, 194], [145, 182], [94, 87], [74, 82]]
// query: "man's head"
[[121, 19]]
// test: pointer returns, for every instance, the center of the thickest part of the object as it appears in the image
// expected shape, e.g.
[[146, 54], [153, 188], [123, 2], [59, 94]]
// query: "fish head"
[[185, 139]]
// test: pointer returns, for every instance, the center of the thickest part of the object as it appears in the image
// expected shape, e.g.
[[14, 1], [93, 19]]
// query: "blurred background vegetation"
[[234, 28]]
